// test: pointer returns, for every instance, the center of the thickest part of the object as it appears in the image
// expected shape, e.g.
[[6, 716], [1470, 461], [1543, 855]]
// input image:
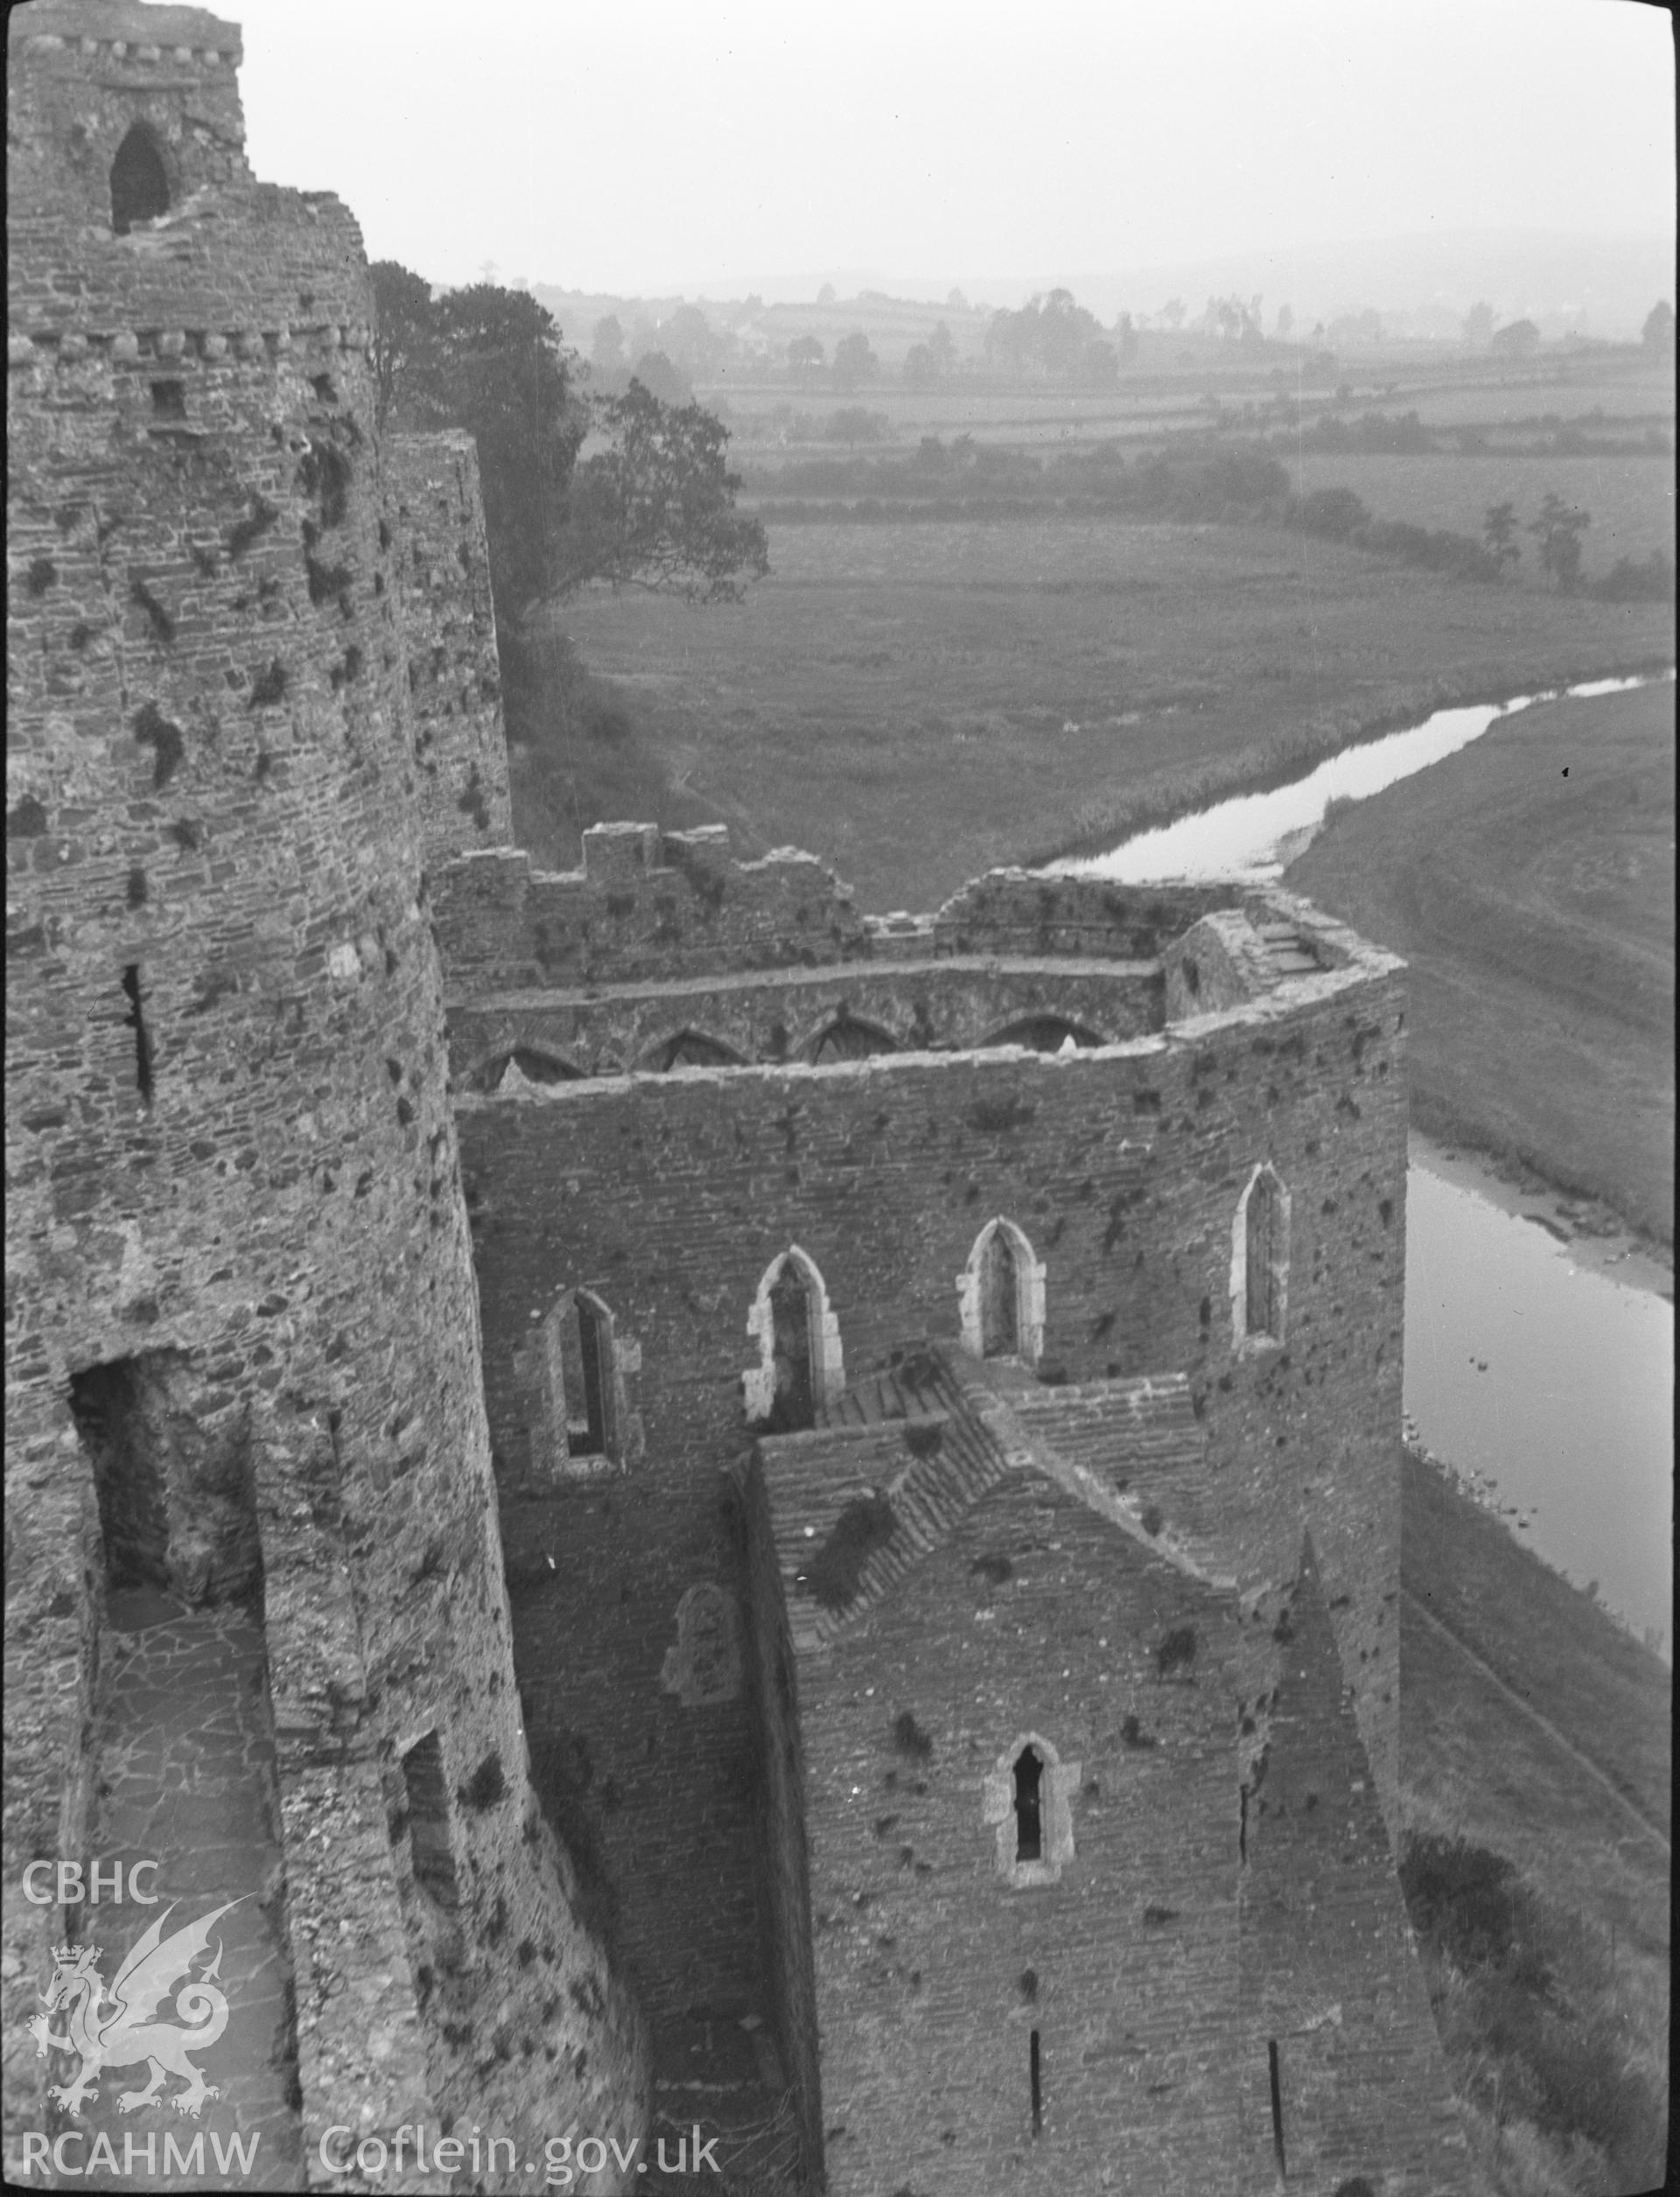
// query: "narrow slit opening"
[[1029, 1818], [135, 1020], [1035, 2072], [1277, 2109]]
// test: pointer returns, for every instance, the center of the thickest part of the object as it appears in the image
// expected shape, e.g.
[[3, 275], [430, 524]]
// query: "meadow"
[[1629, 498], [1530, 881], [920, 702], [1447, 389]]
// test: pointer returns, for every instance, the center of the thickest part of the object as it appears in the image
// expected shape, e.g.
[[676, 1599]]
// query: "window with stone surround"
[[574, 1373], [1027, 1798], [1029, 1816], [800, 1362], [1260, 1262], [1000, 1295], [139, 180]]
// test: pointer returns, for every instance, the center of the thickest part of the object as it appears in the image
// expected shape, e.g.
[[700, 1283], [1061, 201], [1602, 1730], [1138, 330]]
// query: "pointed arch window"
[[1000, 1295], [580, 1418], [1046, 1033], [529, 1064], [691, 1049], [1000, 1307], [1027, 1798], [847, 1038], [1260, 1262], [800, 1363], [139, 180]]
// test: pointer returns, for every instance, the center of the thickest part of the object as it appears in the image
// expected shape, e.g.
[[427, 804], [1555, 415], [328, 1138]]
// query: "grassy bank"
[[919, 702], [576, 754], [1542, 1909], [1530, 882]]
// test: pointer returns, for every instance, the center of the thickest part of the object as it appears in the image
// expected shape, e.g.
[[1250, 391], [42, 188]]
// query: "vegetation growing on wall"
[[836, 1570]]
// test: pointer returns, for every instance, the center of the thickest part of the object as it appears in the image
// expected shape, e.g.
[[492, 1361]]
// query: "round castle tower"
[[243, 1346]]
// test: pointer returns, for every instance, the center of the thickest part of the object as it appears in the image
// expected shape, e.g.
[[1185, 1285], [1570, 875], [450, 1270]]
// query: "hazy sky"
[[677, 143]]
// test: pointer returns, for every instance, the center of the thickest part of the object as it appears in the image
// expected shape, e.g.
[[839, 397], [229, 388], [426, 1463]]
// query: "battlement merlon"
[[147, 34], [648, 906]]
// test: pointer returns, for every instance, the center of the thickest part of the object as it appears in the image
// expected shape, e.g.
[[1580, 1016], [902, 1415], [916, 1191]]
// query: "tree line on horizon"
[[1051, 338]]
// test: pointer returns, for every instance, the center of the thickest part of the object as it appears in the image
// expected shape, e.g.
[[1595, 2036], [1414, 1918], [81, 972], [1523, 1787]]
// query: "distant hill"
[[1418, 285]]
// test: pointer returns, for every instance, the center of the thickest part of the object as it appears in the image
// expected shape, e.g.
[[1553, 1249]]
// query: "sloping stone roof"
[[984, 1424]]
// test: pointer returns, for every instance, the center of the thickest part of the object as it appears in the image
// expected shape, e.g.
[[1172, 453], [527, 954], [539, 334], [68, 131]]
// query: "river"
[[1539, 1362], [1545, 1378], [1258, 835]]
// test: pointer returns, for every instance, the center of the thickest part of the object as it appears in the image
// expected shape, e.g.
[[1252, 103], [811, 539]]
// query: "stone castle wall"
[[653, 907], [234, 1199], [257, 782], [449, 623], [669, 1197], [1329, 1976], [931, 1976]]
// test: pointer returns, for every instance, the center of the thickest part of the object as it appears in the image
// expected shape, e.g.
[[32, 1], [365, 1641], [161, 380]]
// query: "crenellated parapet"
[[644, 904]]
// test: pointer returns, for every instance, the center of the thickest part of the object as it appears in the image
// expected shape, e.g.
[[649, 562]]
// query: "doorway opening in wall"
[[794, 1401], [1029, 1811], [139, 181], [1035, 2075], [175, 1486], [427, 1792], [1000, 1324]]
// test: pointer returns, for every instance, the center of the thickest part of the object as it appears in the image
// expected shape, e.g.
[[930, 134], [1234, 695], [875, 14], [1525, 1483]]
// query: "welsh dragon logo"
[[117, 2028]]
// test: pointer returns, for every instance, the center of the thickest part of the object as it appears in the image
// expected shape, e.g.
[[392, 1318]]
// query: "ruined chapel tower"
[[242, 1352]]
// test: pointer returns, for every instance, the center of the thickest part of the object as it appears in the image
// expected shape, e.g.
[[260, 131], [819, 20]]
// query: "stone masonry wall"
[[951, 1005], [1328, 1974], [449, 623], [782, 1846], [651, 908], [1036, 1619], [228, 1136], [669, 1197]]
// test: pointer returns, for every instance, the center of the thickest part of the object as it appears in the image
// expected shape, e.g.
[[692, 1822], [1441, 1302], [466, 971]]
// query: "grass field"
[[919, 702], [1475, 1767], [1630, 500], [1537, 911], [1446, 389]]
